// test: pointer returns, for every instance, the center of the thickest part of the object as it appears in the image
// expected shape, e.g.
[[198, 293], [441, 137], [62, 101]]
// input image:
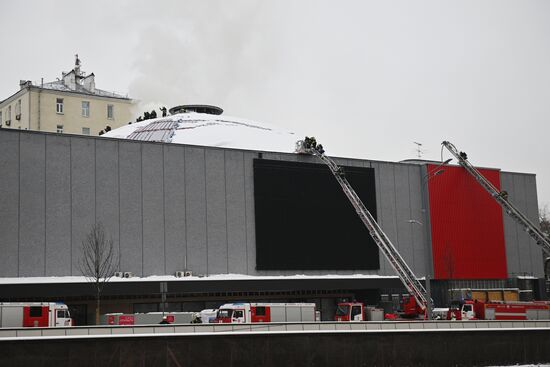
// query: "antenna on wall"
[[419, 150]]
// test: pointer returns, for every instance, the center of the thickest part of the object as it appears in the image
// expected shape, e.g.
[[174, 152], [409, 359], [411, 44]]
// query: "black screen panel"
[[304, 220]]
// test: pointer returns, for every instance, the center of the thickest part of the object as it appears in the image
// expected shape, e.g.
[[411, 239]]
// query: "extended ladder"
[[411, 283], [502, 198]]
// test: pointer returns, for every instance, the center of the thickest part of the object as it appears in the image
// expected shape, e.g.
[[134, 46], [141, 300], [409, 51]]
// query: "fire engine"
[[238, 313], [498, 310], [34, 314], [419, 302], [409, 308], [356, 311], [350, 311], [147, 318], [501, 197], [423, 303]]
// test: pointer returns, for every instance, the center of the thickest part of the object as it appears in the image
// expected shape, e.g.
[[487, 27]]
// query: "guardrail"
[[190, 329]]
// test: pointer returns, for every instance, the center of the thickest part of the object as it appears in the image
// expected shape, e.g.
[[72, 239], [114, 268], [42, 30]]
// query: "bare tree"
[[544, 218], [449, 267], [99, 261]]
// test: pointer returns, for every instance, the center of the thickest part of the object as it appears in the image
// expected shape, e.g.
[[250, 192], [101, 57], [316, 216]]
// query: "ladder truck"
[[412, 284], [501, 197]]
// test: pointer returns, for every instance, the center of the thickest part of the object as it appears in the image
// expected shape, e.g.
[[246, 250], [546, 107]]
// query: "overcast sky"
[[367, 78]]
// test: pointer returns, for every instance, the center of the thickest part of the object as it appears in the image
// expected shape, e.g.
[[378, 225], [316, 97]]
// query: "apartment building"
[[71, 104]]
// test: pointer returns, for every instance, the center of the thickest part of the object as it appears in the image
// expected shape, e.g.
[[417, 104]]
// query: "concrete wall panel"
[[531, 211], [419, 242], [107, 190], [216, 212], [195, 193], [131, 225], [58, 206], [524, 240], [404, 240], [9, 204], [32, 225], [249, 213], [174, 208], [524, 257], [236, 212], [387, 218], [82, 194], [153, 209]]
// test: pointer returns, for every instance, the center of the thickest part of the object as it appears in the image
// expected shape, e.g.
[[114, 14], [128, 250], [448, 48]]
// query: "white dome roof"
[[209, 130]]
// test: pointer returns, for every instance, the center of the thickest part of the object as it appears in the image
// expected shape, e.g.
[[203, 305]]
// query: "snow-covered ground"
[[210, 130], [168, 278]]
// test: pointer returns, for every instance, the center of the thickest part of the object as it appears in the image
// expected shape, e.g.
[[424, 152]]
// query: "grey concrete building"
[[172, 207]]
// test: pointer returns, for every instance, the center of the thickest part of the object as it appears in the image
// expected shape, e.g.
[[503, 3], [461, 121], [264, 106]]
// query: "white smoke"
[[367, 78]]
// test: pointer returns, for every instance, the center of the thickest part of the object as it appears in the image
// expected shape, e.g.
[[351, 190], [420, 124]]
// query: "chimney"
[[89, 83], [24, 84]]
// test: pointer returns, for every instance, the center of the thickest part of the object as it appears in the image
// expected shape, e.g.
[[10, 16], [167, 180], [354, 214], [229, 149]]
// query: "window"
[[238, 314], [110, 111], [61, 314], [260, 311], [342, 310], [35, 311], [224, 313], [60, 129], [18, 110], [8, 116], [355, 310], [85, 108], [85, 131], [0, 117], [59, 105]]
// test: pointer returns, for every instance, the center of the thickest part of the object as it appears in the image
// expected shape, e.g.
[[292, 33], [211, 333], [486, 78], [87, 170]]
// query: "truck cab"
[[461, 310], [409, 307], [62, 316], [350, 311], [233, 313]]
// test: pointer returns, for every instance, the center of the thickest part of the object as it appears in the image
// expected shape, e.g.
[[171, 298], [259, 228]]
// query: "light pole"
[[436, 171]]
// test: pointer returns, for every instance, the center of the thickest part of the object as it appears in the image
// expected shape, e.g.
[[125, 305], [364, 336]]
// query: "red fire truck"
[[356, 311], [499, 310], [237, 313], [350, 311], [34, 314]]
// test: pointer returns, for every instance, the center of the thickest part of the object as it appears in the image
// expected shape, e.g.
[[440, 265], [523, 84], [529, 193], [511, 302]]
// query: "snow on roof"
[[60, 86], [210, 130], [168, 278]]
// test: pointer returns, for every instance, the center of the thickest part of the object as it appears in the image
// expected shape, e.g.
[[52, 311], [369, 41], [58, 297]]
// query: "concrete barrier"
[[106, 330], [389, 347]]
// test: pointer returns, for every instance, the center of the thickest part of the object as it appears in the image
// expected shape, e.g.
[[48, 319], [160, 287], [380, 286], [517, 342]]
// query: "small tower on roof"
[[77, 65]]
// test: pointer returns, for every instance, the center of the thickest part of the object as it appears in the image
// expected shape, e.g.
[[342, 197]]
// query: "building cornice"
[[73, 93], [15, 95], [35, 88]]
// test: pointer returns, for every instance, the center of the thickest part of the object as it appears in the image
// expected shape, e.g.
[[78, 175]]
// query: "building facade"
[[71, 105], [247, 225]]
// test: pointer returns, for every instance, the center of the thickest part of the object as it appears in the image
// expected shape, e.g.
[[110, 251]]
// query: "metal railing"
[[311, 327]]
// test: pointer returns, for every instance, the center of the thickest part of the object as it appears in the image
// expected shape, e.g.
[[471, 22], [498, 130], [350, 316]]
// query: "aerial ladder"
[[501, 197], [409, 280]]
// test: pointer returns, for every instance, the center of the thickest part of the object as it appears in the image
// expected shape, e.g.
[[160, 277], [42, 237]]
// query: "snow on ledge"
[[170, 278]]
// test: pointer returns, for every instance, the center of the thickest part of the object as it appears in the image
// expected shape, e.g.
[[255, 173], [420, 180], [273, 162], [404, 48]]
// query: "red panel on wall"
[[467, 226]]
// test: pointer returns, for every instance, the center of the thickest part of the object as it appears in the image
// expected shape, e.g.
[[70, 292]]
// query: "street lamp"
[[436, 171]]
